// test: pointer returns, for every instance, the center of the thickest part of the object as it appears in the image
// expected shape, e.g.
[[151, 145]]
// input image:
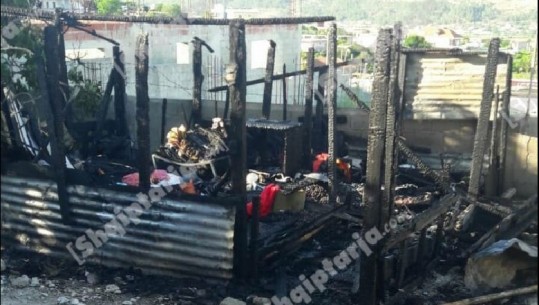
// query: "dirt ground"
[[64, 282]]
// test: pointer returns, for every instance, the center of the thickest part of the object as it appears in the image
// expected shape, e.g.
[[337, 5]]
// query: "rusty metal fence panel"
[[446, 86], [178, 238]]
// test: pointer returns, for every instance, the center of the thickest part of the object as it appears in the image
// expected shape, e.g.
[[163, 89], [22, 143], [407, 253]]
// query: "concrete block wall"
[[166, 78]]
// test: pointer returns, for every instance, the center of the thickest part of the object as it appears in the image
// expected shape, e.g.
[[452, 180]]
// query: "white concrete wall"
[[167, 79]]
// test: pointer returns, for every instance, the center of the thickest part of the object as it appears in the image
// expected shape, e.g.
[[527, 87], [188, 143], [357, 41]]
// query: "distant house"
[[442, 37], [518, 45], [66, 5], [318, 42]]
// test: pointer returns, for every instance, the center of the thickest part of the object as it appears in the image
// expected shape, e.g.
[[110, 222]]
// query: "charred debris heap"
[[286, 180]]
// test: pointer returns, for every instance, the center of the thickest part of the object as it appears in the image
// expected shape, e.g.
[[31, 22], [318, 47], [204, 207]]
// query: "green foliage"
[[19, 58], [171, 9], [108, 6], [415, 41], [87, 95], [505, 43], [522, 62], [19, 3]]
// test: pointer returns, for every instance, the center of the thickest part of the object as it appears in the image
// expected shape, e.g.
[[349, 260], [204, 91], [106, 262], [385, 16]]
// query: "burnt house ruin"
[[432, 152]]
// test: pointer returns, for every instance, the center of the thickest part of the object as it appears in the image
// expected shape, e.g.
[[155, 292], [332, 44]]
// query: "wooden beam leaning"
[[368, 292], [268, 81], [143, 109], [490, 298], [119, 92], [481, 138], [491, 182], [403, 148], [503, 123], [331, 84], [321, 69], [236, 78], [56, 120], [308, 116]]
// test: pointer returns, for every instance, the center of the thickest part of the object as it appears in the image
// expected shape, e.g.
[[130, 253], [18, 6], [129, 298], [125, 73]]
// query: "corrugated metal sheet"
[[178, 238], [445, 86]]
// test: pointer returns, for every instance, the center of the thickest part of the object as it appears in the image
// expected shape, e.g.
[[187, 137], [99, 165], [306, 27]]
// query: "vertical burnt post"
[[319, 109], [62, 76], [503, 123], [491, 185], [55, 123], [308, 116], [268, 81], [481, 133], [391, 128], [332, 109], [254, 237], [143, 109], [163, 119], [196, 110], [119, 92], [227, 104], [236, 78], [285, 97], [369, 269]]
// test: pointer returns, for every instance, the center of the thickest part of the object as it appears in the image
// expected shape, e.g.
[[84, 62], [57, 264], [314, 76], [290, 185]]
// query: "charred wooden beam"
[[502, 148], [390, 164], [236, 77], [56, 120], [227, 105], [332, 111], [491, 182], [285, 97], [268, 81], [119, 92], [196, 108], [369, 270], [320, 69], [255, 220], [64, 84], [480, 140], [509, 227], [163, 119], [422, 220], [143, 109], [319, 109], [40, 14], [308, 116], [101, 114], [493, 297]]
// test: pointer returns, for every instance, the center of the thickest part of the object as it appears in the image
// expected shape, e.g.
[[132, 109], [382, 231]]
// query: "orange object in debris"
[[157, 176], [267, 198], [188, 188], [345, 168], [319, 160]]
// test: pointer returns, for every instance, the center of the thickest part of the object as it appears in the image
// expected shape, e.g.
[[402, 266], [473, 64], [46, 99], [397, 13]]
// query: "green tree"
[[415, 41], [171, 9], [522, 62], [108, 6]]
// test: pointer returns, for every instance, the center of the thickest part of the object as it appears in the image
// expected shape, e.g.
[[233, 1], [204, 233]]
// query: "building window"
[[54, 5], [47, 4]]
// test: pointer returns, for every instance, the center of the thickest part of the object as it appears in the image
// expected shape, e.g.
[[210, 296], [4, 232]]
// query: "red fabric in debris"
[[318, 161], [157, 176], [267, 198]]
